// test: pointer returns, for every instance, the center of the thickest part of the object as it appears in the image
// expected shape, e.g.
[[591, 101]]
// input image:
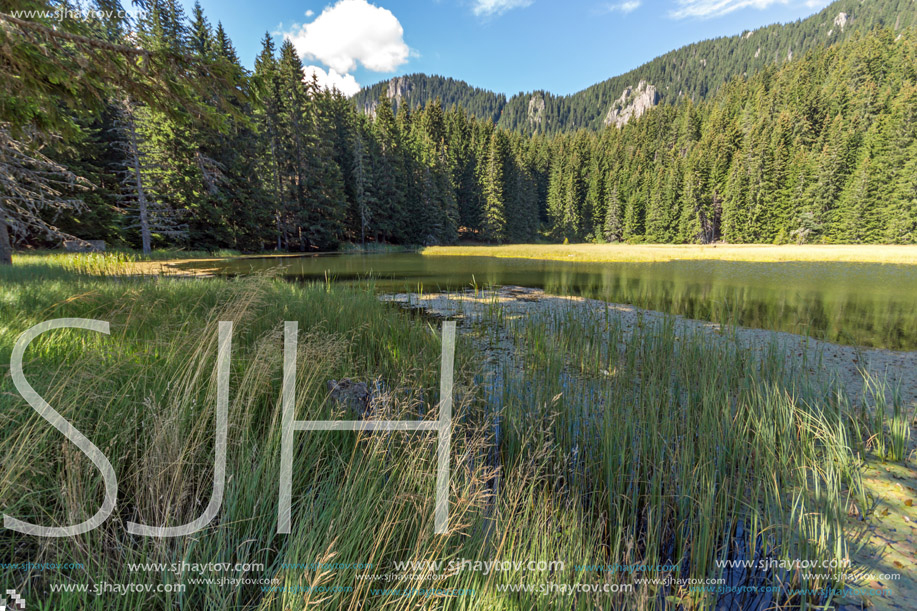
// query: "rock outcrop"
[[399, 87], [841, 20], [632, 104], [536, 110]]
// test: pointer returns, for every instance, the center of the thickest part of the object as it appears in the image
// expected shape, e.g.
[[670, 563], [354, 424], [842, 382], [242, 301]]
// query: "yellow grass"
[[644, 253]]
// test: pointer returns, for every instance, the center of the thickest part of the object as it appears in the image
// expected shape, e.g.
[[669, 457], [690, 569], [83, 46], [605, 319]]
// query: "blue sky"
[[503, 45]]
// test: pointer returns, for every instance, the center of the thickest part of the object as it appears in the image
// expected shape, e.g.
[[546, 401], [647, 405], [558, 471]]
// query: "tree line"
[[260, 160]]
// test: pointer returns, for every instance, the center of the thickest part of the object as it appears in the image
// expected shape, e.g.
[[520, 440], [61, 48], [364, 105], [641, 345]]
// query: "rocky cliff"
[[536, 110], [632, 104], [396, 90]]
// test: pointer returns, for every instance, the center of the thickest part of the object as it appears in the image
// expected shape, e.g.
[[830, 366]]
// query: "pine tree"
[[857, 221], [362, 185], [494, 220], [326, 197], [902, 223], [200, 35], [148, 215], [31, 184], [391, 176], [266, 115], [42, 101], [227, 165], [462, 164], [613, 227], [833, 167]]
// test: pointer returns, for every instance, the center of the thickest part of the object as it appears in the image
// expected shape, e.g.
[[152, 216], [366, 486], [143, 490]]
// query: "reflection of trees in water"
[[865, 304], [838, 312]]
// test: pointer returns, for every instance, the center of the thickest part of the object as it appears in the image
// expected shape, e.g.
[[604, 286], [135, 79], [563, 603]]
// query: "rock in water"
[[356, 396]]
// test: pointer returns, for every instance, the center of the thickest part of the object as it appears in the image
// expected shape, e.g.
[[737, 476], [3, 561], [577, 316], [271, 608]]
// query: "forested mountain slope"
[[418, 89], [822, 149], [695, 71]]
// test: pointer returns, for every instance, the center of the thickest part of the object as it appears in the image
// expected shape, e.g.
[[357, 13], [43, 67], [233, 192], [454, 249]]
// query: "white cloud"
[[351, 32], [716, 8], [309, 13], [628, 6], [332, 79], [489, 8]]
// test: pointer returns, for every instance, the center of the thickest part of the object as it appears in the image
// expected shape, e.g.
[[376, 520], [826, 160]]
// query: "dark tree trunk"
[[6, 249], [145, 235]]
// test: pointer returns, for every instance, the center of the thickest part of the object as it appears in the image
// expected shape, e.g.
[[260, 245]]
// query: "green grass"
[[637, 253], [159, 254], [113, 263], [578, 446]]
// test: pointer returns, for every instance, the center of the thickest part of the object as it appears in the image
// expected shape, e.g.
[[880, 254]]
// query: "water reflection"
[[851, 303]]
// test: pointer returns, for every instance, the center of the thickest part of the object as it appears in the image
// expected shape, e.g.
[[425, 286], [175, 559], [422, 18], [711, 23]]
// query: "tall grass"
[[692, 451], [574, 441], [886, 436], [905, 255], [109, 264], [146, 395]]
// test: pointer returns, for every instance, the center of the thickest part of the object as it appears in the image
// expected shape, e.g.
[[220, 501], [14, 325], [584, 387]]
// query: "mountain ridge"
[[696, 70]]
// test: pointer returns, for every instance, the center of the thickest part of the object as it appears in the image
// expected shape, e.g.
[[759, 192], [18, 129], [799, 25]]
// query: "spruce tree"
[[494, 219]]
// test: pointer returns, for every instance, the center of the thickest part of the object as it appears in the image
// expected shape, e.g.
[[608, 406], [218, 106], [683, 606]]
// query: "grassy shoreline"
[[647, 253], [536, 475], [164, 262]]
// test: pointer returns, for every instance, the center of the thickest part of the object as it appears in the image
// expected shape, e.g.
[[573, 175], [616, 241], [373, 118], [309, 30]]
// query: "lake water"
[[868, 304]]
